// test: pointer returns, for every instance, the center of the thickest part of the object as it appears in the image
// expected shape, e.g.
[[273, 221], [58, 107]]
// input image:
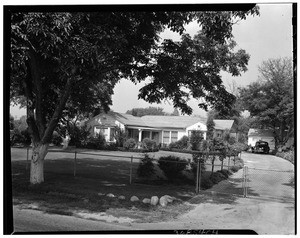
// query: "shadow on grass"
[[62, 193]]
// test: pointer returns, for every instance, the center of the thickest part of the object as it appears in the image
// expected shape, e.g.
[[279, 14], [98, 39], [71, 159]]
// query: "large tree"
[[270, 100], [60, 60]]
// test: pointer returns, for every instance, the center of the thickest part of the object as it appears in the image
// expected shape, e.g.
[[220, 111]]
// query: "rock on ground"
[[163, 201], [154, 200], [169, 198], [146, 200], [134, 199]]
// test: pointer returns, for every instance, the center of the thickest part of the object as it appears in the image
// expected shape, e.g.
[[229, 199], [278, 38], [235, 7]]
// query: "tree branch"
[[57, 113], [27, 84], [34, 69]]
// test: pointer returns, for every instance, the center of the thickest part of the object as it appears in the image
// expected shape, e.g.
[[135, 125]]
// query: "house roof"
[[129, 120], [171, 121], [223, 124], [152, 121], [260, 132]]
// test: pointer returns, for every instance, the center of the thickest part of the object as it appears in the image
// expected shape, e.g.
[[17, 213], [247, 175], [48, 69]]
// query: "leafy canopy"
[[270, 100], [72, 61]]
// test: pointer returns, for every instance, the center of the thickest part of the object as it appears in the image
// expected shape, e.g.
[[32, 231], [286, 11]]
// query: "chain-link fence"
[[124, 169], [111, 167]]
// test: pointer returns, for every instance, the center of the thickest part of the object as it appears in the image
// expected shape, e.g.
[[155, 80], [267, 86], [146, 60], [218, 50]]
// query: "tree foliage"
[[270, 100], [66, 63], [139, 112], [210, 124]]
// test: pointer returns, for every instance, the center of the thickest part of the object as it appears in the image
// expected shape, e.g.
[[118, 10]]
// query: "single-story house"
[[162, 129], [224, 125], [255, 135]]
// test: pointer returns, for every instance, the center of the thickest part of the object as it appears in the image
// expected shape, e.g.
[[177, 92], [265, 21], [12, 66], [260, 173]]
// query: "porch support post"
[[108, 134], [140, 135], [151, 135]]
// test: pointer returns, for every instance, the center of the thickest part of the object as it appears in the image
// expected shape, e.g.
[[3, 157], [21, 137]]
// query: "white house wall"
[[119, 124], [198, 126], [181, 134]]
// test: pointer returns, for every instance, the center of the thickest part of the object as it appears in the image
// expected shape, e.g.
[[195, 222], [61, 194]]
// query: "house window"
[[101, 130], [174, 136], [191, 131], [166, 137]]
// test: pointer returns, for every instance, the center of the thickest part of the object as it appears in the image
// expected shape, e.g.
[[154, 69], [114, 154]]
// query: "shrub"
[[26, 137], [217, 177], [56, 139], [20, 137], [238, 162], [231, 140], [149, 144], [204, 145], [180, 144], [239, 146], [225, 172], [79, 136], [120, 136], [195, 139], [234, 169], [146, 167], [206, 183], [110, 146], [97, 142], [129, 144], [172, 166]]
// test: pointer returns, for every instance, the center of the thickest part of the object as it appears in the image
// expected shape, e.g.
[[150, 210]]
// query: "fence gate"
[[269, 184]]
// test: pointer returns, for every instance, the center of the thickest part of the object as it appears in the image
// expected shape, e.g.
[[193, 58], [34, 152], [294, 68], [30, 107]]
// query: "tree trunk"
[[213, 164], [37, 163]]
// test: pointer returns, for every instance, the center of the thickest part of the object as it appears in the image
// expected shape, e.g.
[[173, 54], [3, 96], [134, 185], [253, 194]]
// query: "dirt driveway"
[[265, 214]]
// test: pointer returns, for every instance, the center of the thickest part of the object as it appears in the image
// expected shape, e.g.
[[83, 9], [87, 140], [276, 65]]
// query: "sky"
[[263, 37]]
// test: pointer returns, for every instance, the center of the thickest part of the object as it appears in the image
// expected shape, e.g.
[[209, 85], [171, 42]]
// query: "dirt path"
[[262, 214], [28, 220]]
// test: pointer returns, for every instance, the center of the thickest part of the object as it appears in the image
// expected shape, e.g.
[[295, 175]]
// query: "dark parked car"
[[261, 147]]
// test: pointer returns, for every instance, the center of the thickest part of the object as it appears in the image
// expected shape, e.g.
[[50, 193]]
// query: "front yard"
[[64, 193]]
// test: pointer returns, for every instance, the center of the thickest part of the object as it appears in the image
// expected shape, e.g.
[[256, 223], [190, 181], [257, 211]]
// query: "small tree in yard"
[[146, 167], [120, 136], [195, 139], [62, 60]]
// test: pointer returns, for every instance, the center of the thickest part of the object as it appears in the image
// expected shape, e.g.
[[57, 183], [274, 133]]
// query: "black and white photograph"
[[150, 119]]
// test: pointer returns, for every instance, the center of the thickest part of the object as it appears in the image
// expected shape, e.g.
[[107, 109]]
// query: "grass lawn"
[[63, 193], [96, 176]]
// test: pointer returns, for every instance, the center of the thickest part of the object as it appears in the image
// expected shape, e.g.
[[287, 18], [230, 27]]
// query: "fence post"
[[130, 178], [197, 177], [246, 181], [245, 171], [75, 163], [199, 184]]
